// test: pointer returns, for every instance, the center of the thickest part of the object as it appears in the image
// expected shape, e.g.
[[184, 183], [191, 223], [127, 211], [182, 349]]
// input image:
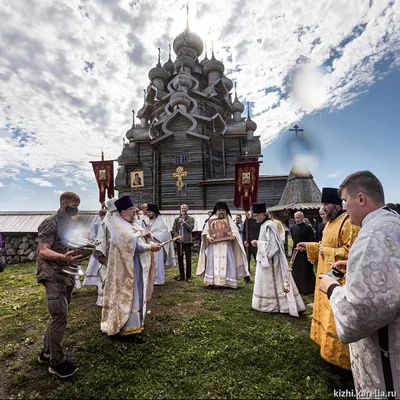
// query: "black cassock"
[[303, 270]]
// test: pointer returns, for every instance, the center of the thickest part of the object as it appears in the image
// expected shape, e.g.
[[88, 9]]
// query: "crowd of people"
[[356, 250]]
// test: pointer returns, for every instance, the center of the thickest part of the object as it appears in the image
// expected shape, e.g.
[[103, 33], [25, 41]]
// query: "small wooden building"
[[300, 194]]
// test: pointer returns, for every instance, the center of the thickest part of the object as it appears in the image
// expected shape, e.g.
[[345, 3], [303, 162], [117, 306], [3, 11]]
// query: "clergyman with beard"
[[222, 263], [127, 288], [337, 238]]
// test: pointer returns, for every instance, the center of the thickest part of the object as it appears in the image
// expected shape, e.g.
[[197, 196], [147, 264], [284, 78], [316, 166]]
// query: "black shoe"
[[247, 279], [63, 370], [140, 338], [338, 383], [252, 309], [179, 279], [43, 359], [189, 280]]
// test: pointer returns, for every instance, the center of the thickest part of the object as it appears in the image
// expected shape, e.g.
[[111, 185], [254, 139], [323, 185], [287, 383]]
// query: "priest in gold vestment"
[[128, 285], [337, 238]]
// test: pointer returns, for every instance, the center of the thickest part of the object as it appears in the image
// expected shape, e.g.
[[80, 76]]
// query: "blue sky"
[[364, 135], [72, 71]]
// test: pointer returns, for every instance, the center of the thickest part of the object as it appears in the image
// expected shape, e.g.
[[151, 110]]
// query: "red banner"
[[104, 173], [246, 184]]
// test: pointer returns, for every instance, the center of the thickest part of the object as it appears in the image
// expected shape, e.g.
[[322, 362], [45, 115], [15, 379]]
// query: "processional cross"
[[179, 174]]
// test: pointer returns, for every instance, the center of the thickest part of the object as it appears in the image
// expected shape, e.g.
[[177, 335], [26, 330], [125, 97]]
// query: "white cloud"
[[40, 182], [332, 175], [66, 114]]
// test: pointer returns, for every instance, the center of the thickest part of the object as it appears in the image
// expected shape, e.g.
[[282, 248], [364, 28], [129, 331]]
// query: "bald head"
[[298, 217]]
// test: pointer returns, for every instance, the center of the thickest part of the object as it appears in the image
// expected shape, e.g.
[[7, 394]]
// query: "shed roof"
[[301, 192], [29, 221], [296, 207]]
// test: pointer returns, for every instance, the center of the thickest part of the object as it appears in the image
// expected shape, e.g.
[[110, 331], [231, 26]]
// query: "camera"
[[335, 273]]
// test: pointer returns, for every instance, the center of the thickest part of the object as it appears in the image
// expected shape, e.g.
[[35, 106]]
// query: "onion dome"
[[180, 98], [204, 61], [190, 40], [158, 72], [227, 82], [250, 125], [237, 105], [169, 65], [130, 134], [183, 79], [213, 65], [186, 61]]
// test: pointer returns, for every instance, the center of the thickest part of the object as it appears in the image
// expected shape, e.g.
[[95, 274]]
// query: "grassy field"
[[202, 344]]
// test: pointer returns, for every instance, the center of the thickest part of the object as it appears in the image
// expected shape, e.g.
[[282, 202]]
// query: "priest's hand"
[[325, 282], [302, 246], [246, 244], [210, 239], [340, 265], [155, 247], [101, 259], [254, 243]]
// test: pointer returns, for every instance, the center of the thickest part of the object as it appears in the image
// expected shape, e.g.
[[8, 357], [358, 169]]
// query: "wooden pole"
[[247, 237]]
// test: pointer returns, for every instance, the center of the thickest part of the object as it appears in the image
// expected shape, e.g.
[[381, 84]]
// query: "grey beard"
[[332, 215]]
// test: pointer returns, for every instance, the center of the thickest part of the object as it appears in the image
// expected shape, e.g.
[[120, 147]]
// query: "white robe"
[[271, 271], [222, 263], [166, 256], [370, 300]]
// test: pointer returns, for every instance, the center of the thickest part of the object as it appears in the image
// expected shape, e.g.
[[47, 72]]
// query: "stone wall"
[[19, 248]]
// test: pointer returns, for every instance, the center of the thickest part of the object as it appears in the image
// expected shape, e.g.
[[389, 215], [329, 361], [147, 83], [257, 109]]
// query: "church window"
[[181, 159]]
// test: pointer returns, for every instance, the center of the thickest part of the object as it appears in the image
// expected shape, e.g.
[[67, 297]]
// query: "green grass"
[[202, 344]]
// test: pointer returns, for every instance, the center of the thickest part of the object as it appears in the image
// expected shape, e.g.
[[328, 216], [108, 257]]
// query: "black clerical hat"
[[221, 205], [153, 208], [259, 208], [123, 203], [329, 195]]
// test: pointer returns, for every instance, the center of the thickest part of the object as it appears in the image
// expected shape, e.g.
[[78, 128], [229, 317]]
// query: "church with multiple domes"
[[190, 136]]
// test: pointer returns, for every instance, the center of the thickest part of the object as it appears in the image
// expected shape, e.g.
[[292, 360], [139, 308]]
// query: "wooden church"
[[190, 134]]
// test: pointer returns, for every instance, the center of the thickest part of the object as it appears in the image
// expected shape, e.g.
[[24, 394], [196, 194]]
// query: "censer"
[[82, 247], [286, 284]]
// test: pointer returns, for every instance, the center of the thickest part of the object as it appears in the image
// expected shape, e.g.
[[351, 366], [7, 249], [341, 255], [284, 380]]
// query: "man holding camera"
[[183, 226], [338, 236]]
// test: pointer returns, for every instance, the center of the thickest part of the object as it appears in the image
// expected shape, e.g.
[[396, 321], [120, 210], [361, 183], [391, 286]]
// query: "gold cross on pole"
[[178, 174]]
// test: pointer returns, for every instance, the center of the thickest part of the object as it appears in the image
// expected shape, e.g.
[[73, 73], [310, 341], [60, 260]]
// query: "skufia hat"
[[124, 203], [259, 208], [330, 196]]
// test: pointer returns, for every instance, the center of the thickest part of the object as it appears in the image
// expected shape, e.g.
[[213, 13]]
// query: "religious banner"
[[246, 184], [104, 173]]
